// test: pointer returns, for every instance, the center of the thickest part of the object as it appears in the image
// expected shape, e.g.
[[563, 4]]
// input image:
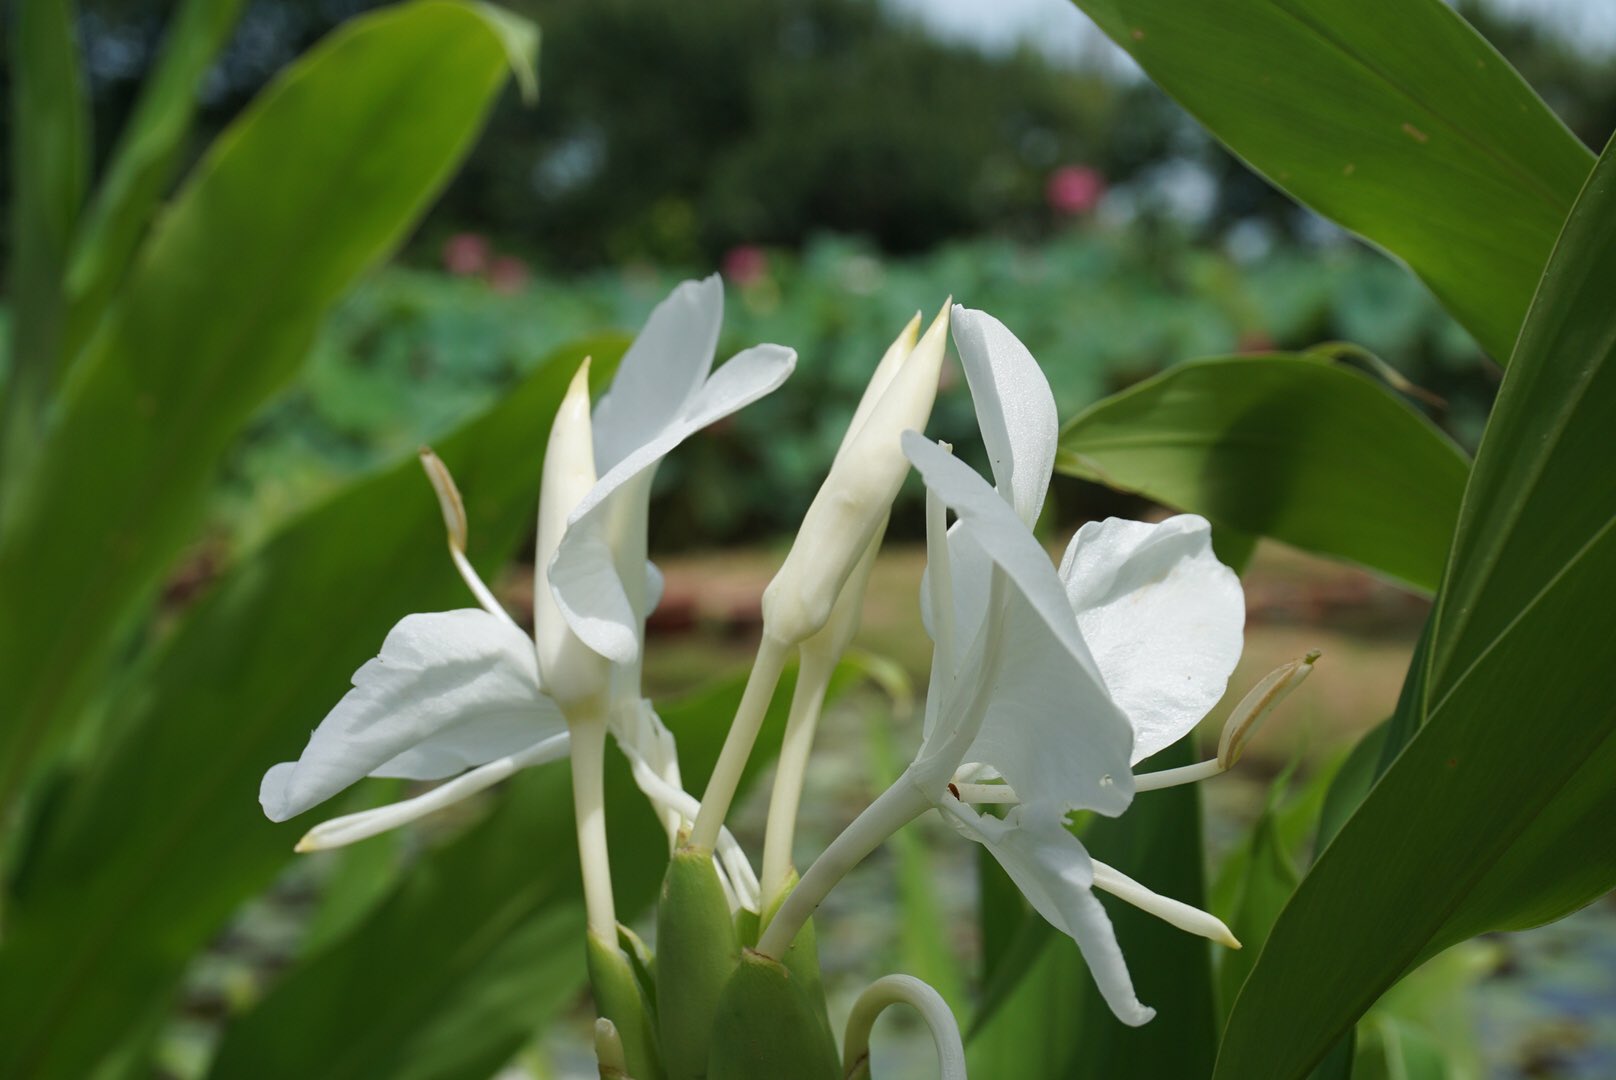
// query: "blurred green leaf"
[[1311, 453], [1496, 813], [484, 939], [1262, 880], [313, 184], [1051, 1022], [1392, 117], [924, 935], [50, 162], [161, 838], [142, 164]]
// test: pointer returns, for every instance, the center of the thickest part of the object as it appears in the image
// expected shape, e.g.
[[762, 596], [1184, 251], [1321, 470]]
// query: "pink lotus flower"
[[1074, 189], [466, 254], [746, 264]]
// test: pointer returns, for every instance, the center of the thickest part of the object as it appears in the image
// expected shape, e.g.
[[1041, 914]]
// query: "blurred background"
[[843, 163]]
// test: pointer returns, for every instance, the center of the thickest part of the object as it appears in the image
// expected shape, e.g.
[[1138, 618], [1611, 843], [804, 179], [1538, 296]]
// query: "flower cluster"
[[1049, 683]]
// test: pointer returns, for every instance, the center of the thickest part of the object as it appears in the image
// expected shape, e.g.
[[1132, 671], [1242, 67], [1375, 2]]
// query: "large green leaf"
[[485, 938], [161, 839], [315, 182], [1392, 117], [1497, 812], [1292, 447], [148, 150], [50, 161], [1158, 843]]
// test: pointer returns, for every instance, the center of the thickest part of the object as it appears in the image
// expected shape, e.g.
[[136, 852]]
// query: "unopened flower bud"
[[570, 671], [855, 498]]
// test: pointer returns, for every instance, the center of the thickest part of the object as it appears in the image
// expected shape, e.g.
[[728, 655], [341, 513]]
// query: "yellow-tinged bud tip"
[[306, 845]]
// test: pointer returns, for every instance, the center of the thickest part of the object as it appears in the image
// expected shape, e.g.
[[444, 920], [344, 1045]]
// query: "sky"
[[1061, 31]]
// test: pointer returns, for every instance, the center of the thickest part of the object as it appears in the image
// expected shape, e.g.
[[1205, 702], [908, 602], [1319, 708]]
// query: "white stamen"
[[351, 828], [1174, 912], [453, 509], [1256, 705], [728, 853], [1184, 774], [903, 990]]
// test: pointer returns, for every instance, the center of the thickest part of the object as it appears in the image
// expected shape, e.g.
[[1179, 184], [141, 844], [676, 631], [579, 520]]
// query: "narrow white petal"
[[1053, 871], [584, 575], [667, 363], [449, 690], [1163, 617], [351, 828], [1014, 408], [1173, 912]]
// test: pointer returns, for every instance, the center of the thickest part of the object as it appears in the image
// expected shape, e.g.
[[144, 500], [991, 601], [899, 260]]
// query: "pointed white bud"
[[857, 495], [609, 1055], [570, 671], [1256, 705]]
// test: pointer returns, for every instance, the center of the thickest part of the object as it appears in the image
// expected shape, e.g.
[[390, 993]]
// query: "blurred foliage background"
[[843, 165]]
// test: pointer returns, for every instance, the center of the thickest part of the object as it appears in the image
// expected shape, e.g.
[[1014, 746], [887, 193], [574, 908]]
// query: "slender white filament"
[[1174, 912], [791, 769], [903, 990], [350, 828], [743, 733], [730, 857], [453, 508], [1184, 774]]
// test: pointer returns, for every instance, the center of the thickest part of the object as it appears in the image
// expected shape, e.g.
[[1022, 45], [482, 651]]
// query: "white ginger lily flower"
[[463, 689], [1055, 683]]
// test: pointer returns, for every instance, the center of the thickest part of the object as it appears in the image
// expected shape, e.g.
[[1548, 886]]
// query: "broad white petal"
[[1014, 408], [1048, 685], [1051, 730], [449, 690], [665, 365], [1053, 871], [584, 574], [1163, 617]]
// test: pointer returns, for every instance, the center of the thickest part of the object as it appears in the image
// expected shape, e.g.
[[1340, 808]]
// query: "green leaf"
[[766, 1026], [1311, 453], [416, 980], [50, 162], [142, 164], [1262, 880], [1053, 1022], [1393, 118], [317, 180], [1495, 815], [161, 838], [923, 931]]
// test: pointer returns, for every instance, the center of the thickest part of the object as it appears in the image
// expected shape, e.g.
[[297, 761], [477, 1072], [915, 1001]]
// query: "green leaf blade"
[[1486, 818], [314, 183], [1316, 455], [1395, 119]]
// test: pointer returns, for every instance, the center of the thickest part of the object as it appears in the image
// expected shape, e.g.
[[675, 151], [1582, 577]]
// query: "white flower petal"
[[1014, 408], [1051, 730], [665, 365], [1163, 617], [449, 690], [584, 575], [1053, 871]]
